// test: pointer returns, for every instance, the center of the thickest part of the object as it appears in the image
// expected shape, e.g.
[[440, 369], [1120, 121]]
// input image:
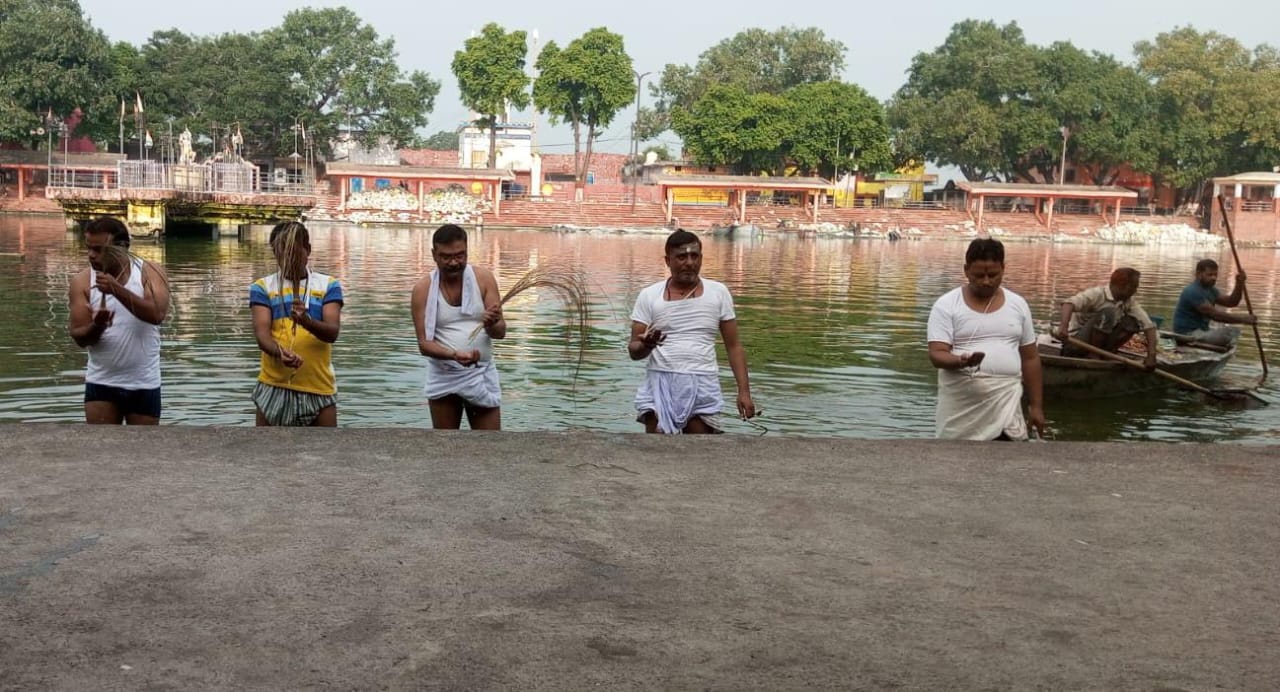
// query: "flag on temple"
[[138, 108], [148, 141]]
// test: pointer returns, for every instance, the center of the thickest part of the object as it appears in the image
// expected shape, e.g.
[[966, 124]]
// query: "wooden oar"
[[1231, 240], [1222, 395]]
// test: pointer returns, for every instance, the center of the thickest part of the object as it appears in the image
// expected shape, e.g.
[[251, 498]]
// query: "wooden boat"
[[1072, 378]]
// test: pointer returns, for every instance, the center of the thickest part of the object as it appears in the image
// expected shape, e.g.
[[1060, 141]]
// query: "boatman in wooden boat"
[[457, 313], [1201, 301], [673, 329], [1107, 317], [117, 306], [983, 342]]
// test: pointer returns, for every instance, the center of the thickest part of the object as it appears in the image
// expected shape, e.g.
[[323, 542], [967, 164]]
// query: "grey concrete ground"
[[181, 558]]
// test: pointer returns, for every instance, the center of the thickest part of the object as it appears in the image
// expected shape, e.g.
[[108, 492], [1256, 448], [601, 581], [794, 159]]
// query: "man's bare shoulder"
[[80, 280]]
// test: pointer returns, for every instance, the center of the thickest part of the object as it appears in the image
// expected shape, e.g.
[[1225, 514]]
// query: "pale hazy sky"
[[881, 36]]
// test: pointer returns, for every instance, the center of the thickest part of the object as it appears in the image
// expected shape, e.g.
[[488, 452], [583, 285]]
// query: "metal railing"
[[208, 178]]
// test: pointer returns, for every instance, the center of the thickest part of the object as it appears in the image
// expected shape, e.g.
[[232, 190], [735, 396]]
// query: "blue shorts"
[[140, 402]]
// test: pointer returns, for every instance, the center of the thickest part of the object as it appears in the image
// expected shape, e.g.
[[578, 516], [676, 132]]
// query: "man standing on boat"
[[673, 329], [983, 343], [1199, 303], [457, 313], [117, 305], [1107, 317]]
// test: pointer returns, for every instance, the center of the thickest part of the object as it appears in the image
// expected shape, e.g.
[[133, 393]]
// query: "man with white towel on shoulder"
[[450, 304]]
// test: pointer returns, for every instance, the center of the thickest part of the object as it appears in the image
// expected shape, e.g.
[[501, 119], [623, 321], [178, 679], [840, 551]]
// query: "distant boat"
[[1076, 378]]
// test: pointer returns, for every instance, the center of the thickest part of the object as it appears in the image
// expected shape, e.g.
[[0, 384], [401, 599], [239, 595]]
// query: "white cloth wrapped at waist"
[[676, 397], [979, 406], [478, 385]]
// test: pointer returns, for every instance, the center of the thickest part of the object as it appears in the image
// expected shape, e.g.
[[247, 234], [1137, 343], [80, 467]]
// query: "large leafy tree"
[[342, 74], [1107, 110], [491, 77], [731, 127], [51, 59], [318, 72], [585, 84], [755, 60], [969, 103], [835, 124], [1219, 112]]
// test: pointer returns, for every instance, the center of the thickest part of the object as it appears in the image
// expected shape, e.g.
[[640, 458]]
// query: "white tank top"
[[128, 353], [452, 330]]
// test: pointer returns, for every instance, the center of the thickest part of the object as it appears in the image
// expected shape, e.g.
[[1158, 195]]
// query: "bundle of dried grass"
[[117, 261], [571, 285]]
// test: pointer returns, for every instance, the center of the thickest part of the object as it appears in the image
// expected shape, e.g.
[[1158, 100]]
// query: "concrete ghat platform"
[[185, 558]]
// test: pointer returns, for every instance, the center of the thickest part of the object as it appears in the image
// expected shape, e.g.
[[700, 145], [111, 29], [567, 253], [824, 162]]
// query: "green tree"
[[969, 103], [585, 85], [832, 123], [730, 127], [1219, 112], [51, 60], [444, 140], [756, 60], [342, 73], [1107, 108], [491, 77], [318, 72]]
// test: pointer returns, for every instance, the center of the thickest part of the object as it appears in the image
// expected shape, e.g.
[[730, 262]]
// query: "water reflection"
[[834, 329]]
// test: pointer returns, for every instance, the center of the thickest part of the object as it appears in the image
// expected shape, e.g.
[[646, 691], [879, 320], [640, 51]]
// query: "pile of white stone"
[[387, 199], [1144, 233], [449, 206]]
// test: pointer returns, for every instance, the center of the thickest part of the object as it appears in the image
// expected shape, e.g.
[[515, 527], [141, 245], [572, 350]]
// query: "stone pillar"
[[145, 218], [226, 228]]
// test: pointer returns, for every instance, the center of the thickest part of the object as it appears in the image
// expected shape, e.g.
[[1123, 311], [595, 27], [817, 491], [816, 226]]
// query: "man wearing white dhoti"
[[673, 327], [983, 342], [450, 304]]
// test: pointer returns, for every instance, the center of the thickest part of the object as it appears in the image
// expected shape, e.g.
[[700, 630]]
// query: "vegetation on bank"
[[1188, 106]]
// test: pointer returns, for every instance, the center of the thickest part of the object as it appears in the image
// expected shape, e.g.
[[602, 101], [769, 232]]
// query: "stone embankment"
[[196, 558]]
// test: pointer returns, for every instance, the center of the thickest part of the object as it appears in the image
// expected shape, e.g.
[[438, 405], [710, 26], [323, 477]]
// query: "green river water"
[[834, 329]]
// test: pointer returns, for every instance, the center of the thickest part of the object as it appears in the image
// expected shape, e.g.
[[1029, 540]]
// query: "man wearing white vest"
[[450, 304], [117, 305]]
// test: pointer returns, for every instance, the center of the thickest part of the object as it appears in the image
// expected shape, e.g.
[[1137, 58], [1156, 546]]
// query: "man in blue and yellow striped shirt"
[[297, 314]]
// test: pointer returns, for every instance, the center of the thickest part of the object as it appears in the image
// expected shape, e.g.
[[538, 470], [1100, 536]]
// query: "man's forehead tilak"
[[688, 249]]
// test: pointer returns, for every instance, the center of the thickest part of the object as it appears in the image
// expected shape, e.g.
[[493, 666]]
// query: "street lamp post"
[[635, 139]]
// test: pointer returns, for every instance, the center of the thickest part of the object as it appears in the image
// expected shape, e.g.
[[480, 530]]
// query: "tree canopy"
[[1194, 105], [51, 61], [585, 85], [320, 69], [491, 77], [756, 61]]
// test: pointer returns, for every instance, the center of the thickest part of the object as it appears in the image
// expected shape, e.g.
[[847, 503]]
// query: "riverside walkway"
[[194, 558]]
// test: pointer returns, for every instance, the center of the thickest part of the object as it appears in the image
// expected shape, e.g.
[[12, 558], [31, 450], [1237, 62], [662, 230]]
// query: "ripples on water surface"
[[834, 329]]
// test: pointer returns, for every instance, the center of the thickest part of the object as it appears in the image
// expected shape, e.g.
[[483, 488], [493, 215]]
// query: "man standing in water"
[[117, 305], [983, 342], [673, 327], [453, 302], [297, 314]]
